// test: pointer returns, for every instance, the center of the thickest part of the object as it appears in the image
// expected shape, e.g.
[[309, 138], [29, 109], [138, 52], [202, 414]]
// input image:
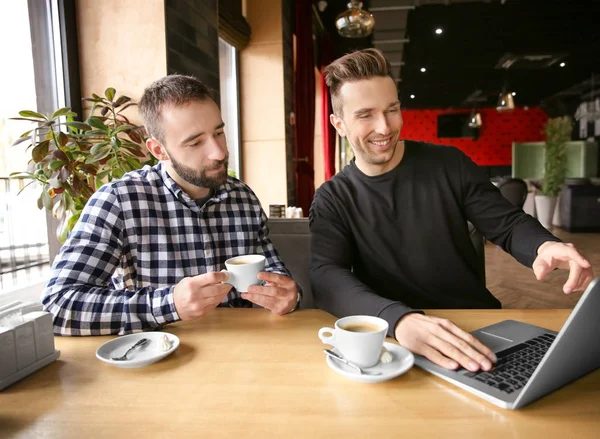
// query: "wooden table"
[[247, 373]]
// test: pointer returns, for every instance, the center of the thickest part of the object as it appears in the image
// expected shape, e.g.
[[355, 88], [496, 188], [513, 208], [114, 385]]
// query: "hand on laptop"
[[552, 255], [443, 343]]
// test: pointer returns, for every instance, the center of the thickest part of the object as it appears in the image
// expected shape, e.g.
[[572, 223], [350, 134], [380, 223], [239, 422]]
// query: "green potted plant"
[[558, 132], [70, 159]]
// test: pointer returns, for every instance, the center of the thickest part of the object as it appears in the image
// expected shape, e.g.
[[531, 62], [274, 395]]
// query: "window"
[[34, 42], [230, 108]]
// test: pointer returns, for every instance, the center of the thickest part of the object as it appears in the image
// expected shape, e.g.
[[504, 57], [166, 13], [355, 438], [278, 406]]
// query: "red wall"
[[498, 131]]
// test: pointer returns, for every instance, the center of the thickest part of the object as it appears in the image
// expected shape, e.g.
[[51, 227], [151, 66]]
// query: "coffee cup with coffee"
[[358, 338], [242, 271]]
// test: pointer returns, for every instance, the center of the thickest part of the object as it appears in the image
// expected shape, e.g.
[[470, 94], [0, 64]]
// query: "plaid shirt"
[[136, 239]]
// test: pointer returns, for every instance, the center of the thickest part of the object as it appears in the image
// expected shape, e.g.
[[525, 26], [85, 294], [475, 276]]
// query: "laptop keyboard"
[[515, 365]]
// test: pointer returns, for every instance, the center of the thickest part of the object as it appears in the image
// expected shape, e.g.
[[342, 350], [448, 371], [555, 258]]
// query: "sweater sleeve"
[[337, 290], [497, 219]]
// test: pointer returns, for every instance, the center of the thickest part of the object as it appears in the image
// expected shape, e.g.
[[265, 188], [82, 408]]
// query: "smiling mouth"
[[381, 143]]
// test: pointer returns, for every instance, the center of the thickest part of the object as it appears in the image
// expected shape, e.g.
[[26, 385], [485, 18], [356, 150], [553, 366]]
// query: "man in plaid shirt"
[[149, 247]]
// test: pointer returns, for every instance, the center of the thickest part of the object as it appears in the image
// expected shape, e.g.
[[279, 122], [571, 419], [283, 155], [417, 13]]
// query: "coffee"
[[240, 262], [358, 338], [361, 327]]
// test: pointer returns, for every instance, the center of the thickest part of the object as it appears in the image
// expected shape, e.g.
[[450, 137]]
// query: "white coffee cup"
[[242, 271], [358, 338]]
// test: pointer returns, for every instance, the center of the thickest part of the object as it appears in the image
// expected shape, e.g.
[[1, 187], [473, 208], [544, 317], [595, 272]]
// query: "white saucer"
[[140, 357], [402, 361]]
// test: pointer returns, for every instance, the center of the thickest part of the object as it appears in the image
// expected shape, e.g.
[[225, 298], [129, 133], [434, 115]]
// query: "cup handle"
[[229, 277], [327, 339]]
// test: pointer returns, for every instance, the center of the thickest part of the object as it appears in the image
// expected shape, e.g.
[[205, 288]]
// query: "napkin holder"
[[26, 343]]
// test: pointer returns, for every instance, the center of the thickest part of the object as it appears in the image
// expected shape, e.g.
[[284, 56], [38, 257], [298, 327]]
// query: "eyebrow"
[[193, 136], [367, 110]]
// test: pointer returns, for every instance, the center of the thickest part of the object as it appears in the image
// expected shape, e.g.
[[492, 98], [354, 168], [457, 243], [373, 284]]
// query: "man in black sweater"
[[389, 232]]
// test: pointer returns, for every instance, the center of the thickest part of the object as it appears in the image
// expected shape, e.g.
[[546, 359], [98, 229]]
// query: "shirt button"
[[208, 252]]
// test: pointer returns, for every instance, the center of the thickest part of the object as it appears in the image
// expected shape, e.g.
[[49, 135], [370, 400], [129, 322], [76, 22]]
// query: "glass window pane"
[[23, 231], [228, 73]]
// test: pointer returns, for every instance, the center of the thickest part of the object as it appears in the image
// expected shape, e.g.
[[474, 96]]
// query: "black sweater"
[[387, 244]]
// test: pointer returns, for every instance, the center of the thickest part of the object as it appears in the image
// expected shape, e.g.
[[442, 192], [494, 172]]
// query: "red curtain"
[[304, 105], [326, 110]]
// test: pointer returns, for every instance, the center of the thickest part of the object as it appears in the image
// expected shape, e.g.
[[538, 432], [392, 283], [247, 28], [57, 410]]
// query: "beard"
[[199, 177], [374, 157]]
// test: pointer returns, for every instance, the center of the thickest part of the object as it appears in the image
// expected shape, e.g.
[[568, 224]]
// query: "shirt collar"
[[220, 194]]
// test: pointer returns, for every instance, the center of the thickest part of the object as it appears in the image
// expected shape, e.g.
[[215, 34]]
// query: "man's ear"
[[156, 149], [338, 124]]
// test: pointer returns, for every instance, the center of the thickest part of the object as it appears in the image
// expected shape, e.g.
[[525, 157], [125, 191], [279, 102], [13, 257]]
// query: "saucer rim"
[[133, 363], [404, 365]]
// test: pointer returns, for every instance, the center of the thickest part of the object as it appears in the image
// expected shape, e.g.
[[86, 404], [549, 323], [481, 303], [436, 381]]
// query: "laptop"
[[532, 361]]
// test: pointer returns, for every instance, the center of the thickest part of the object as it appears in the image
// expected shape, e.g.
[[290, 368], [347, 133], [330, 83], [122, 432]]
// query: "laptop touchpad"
[[495, 342]]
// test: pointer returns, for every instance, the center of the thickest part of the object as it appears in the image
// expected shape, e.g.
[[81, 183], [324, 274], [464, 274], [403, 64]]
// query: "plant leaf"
[[60, 112], [59, 209], [59, 155], [63, 174], [97, 147], [88, 169], [56, 164], [124, 127], [40, 151], [122, 100], [62, 231], [32, 114], [46, 200], [55, 183], [73, 220], [97, 123], [27, 119], [78, 125], [62, 139], [21, 140], [109, 93], [127, 106]]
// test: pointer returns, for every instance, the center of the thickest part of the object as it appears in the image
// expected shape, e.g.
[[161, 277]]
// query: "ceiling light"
[[562, 64], [505, 101], [439, 30], [412, 96], [423, 69], [475, 119], [355, 22], [514, 93]]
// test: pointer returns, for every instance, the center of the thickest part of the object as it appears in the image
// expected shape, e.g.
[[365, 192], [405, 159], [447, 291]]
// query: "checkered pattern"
[[139, 236]]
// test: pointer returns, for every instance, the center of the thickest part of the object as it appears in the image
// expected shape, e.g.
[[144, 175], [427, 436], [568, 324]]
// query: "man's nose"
[[217, 151], [382, 126]]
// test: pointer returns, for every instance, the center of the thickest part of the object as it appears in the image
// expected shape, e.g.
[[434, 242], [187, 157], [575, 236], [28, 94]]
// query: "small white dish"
[[148, 354], [402, 361]]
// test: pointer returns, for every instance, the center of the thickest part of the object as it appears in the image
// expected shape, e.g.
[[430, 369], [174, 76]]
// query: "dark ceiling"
[[484, 45]]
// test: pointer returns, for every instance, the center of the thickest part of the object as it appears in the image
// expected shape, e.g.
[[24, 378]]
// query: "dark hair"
[[362, 64], [171, 90]]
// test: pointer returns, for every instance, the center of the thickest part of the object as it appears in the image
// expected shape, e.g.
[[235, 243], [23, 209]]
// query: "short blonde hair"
[[362, 64]]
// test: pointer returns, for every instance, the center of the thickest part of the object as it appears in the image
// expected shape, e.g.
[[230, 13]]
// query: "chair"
[[291, 238], [514, 190]]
